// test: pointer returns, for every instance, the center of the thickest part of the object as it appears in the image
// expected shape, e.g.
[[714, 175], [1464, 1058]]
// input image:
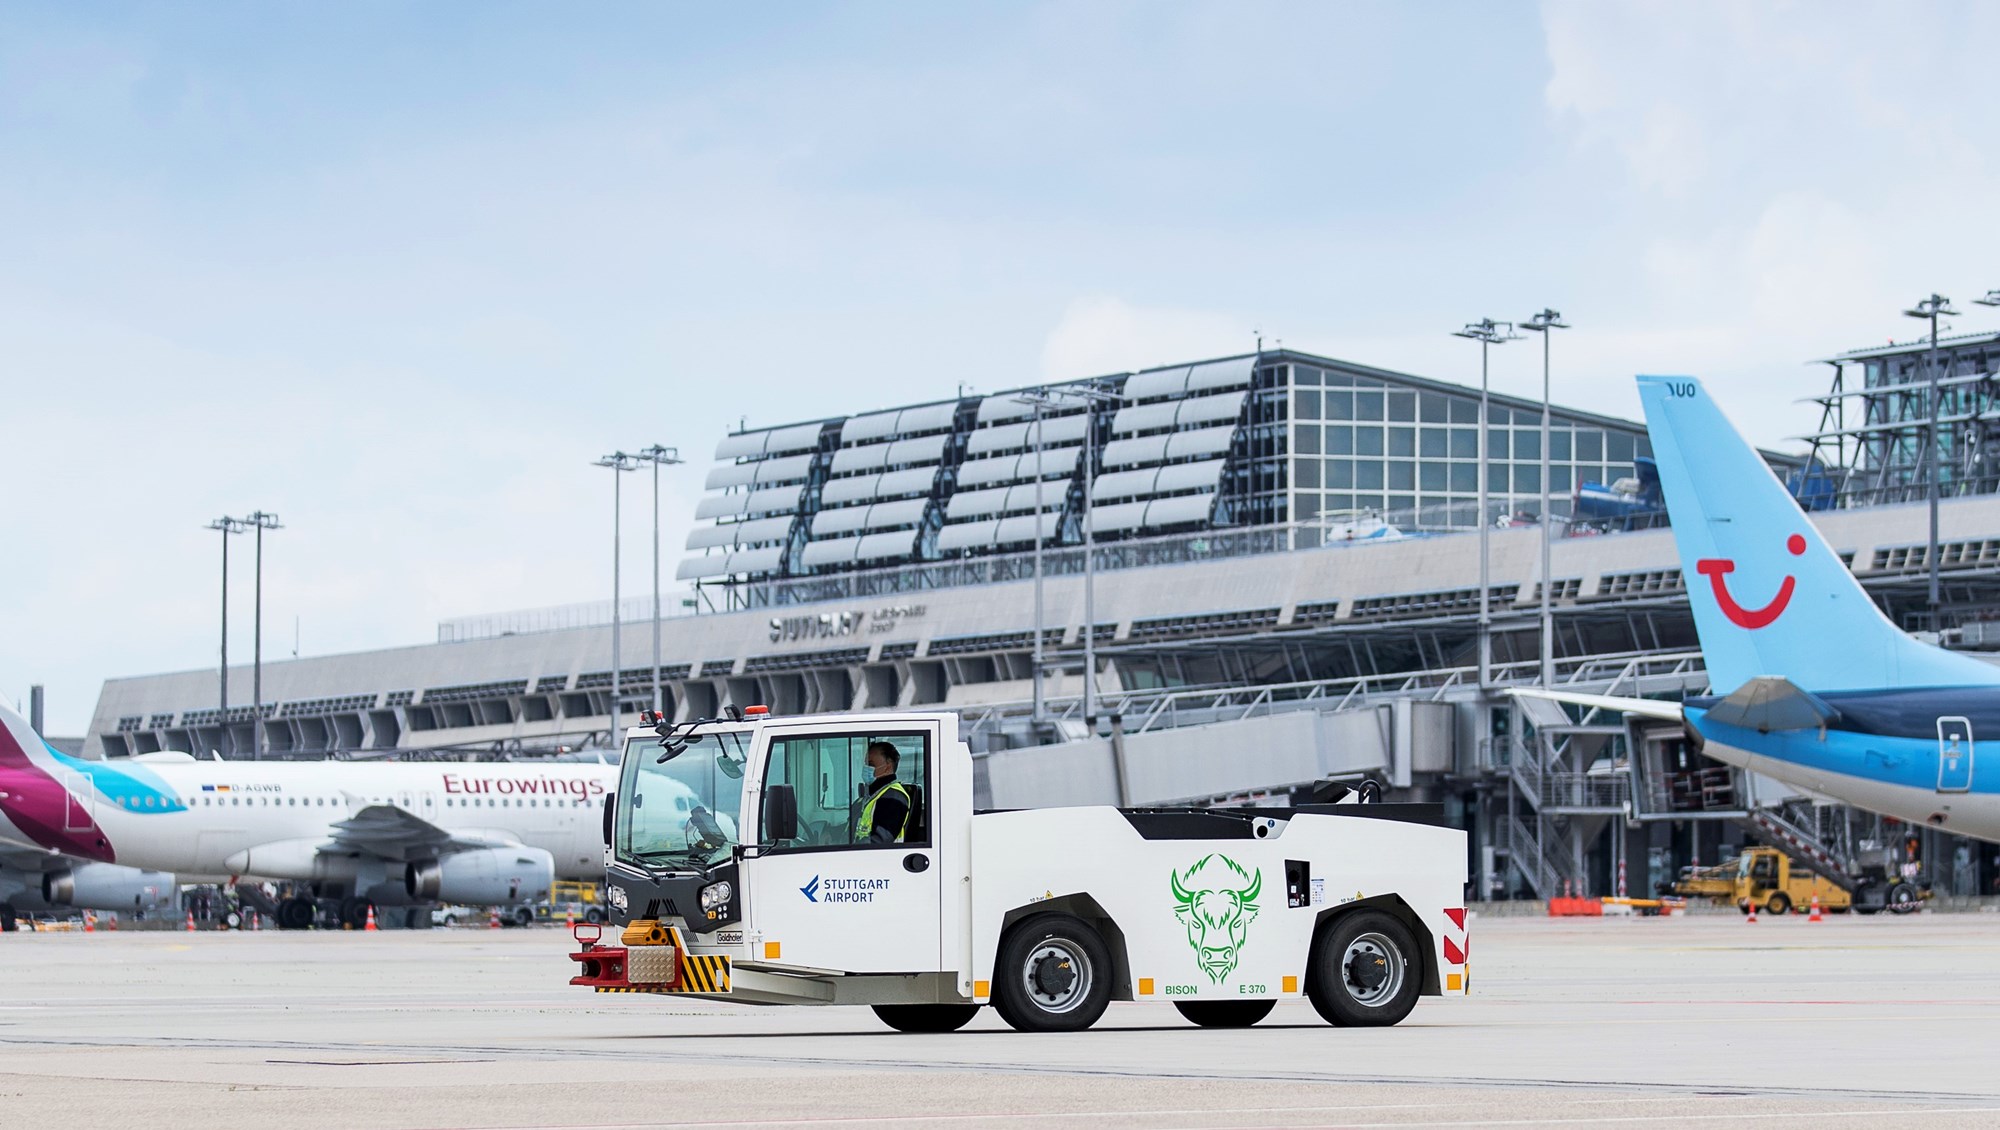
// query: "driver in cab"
[[885, 803]]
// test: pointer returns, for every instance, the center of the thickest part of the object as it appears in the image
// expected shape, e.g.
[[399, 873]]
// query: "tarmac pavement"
[[1641, 1022]]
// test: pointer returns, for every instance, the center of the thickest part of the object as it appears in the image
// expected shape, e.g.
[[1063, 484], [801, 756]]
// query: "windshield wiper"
[[670, 856]]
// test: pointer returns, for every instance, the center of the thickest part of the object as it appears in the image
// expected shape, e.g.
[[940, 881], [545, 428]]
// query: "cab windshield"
[[682, 812]]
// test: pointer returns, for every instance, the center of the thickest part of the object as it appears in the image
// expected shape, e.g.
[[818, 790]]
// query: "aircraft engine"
[[483, 877], [108, 886]]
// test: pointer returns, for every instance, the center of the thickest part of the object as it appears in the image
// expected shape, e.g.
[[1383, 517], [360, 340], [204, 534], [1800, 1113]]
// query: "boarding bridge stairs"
[[1545, 853], [1564, 768], [1773, 828]]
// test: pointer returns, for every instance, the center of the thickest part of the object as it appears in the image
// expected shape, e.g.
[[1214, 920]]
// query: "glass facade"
[[1367, 449], [1277, 439]]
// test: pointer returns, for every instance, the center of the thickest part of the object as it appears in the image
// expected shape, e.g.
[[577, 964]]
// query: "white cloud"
[[1794, 174]]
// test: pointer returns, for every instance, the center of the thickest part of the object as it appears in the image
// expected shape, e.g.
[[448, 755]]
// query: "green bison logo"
[[1216, 900]]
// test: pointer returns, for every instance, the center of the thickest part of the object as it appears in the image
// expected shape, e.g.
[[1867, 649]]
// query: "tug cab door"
[[830, 898]]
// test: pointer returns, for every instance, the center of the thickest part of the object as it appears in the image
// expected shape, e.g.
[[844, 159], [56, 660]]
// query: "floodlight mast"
[[1546, 323], [1092, 396], [1931, 309], [658, 456], [619, 462], [1038, 400], [259, 521], [227, 526], [1487, 333]]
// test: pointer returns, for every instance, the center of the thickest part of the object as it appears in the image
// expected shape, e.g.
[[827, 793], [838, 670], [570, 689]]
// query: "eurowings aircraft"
[[34, 882], [1815, 686], [390, 834]]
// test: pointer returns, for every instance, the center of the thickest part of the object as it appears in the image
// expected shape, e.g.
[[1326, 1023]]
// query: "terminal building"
[[1284, 588]]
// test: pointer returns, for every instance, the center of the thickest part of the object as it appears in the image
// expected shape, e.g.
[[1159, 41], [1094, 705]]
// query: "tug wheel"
[[1366, 971], [1054, 975]]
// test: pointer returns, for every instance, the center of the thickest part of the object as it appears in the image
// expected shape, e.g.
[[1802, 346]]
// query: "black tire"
[[594, 916], [1366, 971], [1779, 903], [296, 914], [1225, 1014], [524, 916], [233, 920], [354, 913], [1867, 910], [926, 1017], [1054, 975], [1904, 898]]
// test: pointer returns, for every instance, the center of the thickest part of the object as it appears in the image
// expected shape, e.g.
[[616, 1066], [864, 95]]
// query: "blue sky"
[[398, 272]]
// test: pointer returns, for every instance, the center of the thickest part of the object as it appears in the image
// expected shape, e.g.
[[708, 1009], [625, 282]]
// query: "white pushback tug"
[[734, 869]]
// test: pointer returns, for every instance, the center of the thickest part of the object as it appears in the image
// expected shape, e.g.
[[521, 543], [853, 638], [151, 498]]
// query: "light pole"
[[228, 526], [1932, 308], [619, 462], [1092, 396], [657, 455], [1546, 323], [1487, 333], [259, 521], [1037, 400]]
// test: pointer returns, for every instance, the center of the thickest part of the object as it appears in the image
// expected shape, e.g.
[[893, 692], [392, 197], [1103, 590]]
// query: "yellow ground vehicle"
[[1717, 882], [1768, 879], [580, 900]]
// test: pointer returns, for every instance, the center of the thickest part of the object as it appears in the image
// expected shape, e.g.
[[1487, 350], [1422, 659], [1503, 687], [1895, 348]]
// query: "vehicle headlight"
[[716, 895]]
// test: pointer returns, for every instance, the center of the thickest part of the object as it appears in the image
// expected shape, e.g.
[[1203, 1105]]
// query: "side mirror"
[[781, 814], [610, 802]]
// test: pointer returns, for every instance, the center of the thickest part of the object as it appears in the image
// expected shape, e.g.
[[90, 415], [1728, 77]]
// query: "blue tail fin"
[[1769, 596]]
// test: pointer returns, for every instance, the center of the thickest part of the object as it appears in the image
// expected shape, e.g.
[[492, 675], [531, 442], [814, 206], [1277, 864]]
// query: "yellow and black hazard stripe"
[[700, 973], [704, 973]]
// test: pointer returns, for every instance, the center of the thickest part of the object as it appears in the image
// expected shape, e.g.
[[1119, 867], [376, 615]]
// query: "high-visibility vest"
[[866, 825]]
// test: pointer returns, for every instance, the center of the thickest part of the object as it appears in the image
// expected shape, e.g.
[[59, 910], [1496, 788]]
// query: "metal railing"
[[556, 618], [1574, 790], [1144, 710], [1339, 530]]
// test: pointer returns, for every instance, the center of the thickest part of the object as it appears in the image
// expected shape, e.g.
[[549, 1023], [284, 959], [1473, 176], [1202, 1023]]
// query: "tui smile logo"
[[811, 890], [1717, 568]]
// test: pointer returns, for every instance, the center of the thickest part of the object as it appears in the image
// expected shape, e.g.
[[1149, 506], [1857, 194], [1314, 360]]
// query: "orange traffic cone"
[[569, 920], [1753, 911], [1814, 916], [370, 926], [256, 921], [190, 922], [493, 923], [89, 922]]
